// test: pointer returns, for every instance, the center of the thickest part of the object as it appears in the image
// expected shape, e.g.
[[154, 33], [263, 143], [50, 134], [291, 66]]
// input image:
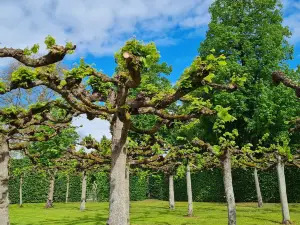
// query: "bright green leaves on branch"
[[79, 72], [239, 80], [2, 87], [147, 55], [23, 76], [223, 117], [49, 42], [33, 50], [100, 86], [195, 104], [202, 69], [69, 45]]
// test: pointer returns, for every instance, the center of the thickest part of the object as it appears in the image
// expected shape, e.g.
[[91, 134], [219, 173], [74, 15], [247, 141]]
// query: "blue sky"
[[179, 45], [179, 56], [99, 28]]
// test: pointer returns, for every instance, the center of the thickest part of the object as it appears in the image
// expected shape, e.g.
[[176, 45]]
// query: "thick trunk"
[[128, 193], [282, 191], [67, 191], [118, 205], [21, 191], [171, 192], [258, 192], [227, 177], [189, 190], [4, 157], [49, 203], [83, 191]]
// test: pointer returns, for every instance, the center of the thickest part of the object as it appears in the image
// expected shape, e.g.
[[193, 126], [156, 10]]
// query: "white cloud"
[[96, 127], [292, 18], [97, 27]]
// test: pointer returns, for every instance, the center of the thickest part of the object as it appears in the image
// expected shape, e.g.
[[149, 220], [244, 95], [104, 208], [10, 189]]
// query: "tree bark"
[[227, 177], [118, 194], [68, 186], [49, 203], [4, 158], [21, 191], [189, 190], [171, 192], [83, 191], [282, 191], [128, 192], [258, 192]]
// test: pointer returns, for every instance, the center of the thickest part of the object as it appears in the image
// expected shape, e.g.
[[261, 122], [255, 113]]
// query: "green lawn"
[[150, 212]]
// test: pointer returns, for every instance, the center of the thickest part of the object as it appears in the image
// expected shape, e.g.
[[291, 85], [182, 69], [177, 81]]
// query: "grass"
[[150, 212]]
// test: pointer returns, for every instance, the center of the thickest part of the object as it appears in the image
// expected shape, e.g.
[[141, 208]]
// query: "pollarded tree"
[[116, 98], [19, 127], [46, 155], [276, 153], [85, 163], [20, 172], [14, 121]]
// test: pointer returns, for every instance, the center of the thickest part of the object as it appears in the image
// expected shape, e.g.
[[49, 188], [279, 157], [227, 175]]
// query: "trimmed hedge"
[[207, 186]]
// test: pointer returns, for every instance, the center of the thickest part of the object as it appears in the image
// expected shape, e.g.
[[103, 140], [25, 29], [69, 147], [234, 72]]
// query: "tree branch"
[[56, 54]]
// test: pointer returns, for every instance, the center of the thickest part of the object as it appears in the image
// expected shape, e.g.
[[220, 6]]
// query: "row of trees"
[[224, 110]]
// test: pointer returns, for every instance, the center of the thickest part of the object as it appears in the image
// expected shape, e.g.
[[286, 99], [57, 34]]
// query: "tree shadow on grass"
[[262, 219], [96, 220]]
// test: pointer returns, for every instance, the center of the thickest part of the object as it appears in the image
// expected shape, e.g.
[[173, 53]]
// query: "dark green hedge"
[[138, 188], [207, 186]]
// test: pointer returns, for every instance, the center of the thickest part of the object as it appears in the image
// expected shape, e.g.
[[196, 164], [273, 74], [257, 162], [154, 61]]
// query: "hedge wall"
[[207, 186]]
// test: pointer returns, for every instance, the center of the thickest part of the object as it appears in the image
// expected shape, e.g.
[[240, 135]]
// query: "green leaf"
[[222, 63], [211, 57], [35, 48], [209, 77], [49, 41]]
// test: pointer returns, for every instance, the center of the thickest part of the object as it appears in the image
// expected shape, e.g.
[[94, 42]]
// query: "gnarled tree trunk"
[[83, 191], [282, 191], [189, 190], [49, 203], [257, 187], [118, 205], [4, 158], [67, 190], [171, 192], [227, 177], [21, 191]]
